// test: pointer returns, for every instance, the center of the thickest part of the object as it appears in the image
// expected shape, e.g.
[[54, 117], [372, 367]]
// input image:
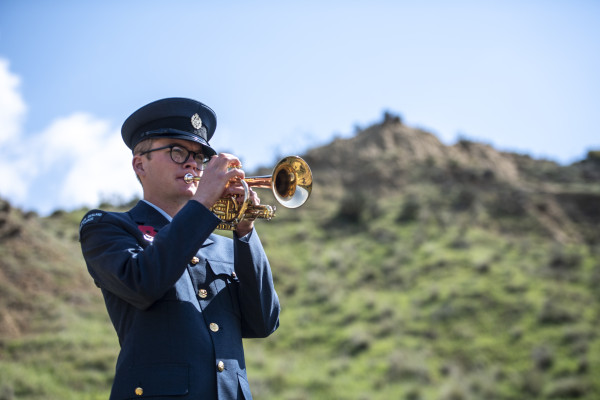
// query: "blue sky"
[[283, 77]]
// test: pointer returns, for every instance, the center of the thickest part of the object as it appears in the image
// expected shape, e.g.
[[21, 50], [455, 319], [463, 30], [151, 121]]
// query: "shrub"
[[543, 358], [352, 208], [410, 210], [554, 313], [567, 388]]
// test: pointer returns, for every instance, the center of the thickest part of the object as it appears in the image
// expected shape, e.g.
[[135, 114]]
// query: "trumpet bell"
[[291, 182]]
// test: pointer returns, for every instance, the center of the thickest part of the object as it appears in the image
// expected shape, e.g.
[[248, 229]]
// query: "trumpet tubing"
[[290, 182]]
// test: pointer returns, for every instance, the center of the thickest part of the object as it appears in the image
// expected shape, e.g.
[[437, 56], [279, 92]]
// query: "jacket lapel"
[[144, 214]]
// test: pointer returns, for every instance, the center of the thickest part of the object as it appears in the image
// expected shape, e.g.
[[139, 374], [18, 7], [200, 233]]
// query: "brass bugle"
[[290, 182]]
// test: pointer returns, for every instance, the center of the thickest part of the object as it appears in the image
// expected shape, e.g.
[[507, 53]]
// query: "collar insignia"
[[148, 231]]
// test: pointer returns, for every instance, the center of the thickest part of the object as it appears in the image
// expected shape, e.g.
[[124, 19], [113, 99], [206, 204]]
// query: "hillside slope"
[[415, 271], [386, 158]]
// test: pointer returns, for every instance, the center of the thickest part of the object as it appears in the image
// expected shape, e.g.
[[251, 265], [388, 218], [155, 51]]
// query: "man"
[[180, 297]]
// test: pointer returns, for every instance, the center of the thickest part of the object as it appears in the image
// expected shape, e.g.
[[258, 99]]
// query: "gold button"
[[195, 260], [139, 391], [220, 366], [203, 293], [214, 327]]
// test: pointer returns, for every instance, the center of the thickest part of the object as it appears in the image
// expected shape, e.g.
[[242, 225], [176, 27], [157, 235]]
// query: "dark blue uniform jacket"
[[181, 299]]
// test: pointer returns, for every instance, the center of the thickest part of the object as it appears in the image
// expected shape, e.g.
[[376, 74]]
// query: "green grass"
[[446, 305], [468, 314]]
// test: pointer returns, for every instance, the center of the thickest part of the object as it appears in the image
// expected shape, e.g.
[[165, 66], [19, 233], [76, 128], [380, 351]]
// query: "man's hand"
[[218, 175], [246, 225]]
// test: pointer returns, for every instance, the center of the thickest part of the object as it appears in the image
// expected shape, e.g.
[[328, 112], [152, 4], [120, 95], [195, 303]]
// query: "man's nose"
[[191, 163]]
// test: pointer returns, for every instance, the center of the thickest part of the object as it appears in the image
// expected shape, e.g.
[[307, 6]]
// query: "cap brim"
[[176, 134], [206, 149]]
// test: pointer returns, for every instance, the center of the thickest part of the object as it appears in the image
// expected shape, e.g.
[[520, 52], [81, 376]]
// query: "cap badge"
[[196, 121]]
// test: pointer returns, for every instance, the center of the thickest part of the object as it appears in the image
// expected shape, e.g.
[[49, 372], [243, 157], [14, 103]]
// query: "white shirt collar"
[[160, 210]]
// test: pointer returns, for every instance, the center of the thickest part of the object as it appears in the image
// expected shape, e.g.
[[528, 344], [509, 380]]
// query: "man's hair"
[[141, 147]]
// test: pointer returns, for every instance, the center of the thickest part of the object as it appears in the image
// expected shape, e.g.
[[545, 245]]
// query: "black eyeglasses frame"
[[201, 163]]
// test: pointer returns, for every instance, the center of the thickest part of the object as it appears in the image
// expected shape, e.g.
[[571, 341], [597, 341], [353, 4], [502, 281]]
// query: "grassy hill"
[[415, 271]]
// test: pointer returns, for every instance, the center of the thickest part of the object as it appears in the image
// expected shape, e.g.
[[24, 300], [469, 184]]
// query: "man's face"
[[162, 176]]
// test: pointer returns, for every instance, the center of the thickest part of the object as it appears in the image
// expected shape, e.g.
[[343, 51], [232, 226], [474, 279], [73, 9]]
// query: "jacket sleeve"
[[140, 275], [259, 303]]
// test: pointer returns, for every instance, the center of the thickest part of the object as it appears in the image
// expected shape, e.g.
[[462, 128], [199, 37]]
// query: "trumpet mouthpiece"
[[189, 178]]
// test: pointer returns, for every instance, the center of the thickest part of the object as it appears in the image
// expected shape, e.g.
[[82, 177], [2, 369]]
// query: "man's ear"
[[138, 166]]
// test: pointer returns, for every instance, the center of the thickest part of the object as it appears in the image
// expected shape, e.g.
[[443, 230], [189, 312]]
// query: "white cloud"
[[78, 160], [12, 111], [94, 160], [12, 106], [11, 187]]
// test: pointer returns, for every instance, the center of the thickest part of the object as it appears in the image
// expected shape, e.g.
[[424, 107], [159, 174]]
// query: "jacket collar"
[[145, 214]]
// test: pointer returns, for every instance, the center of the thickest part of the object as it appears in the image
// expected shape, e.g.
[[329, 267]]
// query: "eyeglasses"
[[180, 155]]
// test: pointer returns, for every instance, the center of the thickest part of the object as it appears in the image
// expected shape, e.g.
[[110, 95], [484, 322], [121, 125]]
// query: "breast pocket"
[[225, 283]]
